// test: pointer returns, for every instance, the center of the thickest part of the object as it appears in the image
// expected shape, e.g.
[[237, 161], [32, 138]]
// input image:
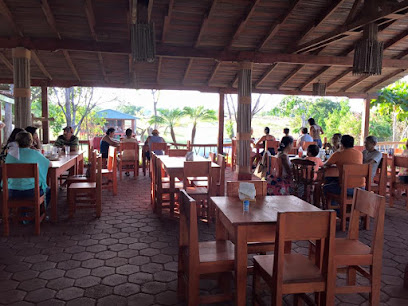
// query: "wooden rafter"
[[167, 18], [339, 77], [243, 22], [289, 76], [353, 11], [354, 83], [159, 67], [265, 75], [90, 16], [50, 17], [277, 24], [214, 71], [101, 63], [40, 65], [314, 77], [234, 82], [5, 11], [384, 79], [6, 62], [204, 23], [187, 71], [322, 18], [395, 39], [71, 64], [391, 12]]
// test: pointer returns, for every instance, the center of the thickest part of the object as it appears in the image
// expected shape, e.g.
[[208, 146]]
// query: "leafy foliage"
[[393, 98], [169, 118], [197, 114]]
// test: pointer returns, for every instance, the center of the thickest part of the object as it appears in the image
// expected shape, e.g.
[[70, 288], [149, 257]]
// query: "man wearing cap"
[[154, 138], [68, 139]]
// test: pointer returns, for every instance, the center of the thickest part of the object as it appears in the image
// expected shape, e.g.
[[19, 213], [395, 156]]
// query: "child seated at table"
[[312, 152]]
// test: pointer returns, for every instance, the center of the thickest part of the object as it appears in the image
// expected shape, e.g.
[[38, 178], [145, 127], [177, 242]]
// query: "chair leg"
[[98, 205], [391, 202], [193, 289], [71, 202], [37, 219], [120, 171], [351, 276], [374, 296], [6, 219], [343, 208], [297, 300], [255, 284]]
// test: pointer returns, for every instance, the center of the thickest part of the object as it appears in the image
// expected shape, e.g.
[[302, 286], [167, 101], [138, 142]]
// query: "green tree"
[[199, 114], [169, 118], [130, 109]]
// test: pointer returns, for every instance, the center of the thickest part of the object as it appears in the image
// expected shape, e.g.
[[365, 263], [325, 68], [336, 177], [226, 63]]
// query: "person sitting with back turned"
[[108, 141], [154, 138], [128, 154], [263, 140], [36, 140], [312, 152], [286, 132], [68, 139], [11, 146], [305, 137], [371, 155], [21, 188], [348, 155]]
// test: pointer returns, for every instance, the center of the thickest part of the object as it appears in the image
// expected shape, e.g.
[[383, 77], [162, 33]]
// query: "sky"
[[113, 97]]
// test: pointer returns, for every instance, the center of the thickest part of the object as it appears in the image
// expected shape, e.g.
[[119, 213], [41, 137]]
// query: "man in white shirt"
[[305, 137], [371, 155]]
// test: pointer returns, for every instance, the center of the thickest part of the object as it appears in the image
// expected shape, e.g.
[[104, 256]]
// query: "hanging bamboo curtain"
[[143, 42], [319, 89]]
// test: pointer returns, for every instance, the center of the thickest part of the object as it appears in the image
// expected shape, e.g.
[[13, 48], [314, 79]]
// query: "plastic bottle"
[[245, 206]]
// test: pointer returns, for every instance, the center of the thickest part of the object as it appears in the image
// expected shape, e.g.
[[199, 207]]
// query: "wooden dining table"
[[74, 163], [174, 167], [257, 225]]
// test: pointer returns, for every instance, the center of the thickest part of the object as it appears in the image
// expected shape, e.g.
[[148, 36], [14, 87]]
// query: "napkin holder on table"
[[246, 191], [190, 156]]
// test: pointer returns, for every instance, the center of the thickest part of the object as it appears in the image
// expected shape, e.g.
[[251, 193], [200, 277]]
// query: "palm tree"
[[199, 114], [168, 117]]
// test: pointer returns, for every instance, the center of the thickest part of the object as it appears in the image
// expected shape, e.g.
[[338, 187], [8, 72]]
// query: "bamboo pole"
[[220, 145], [365, 119], [45, 115]]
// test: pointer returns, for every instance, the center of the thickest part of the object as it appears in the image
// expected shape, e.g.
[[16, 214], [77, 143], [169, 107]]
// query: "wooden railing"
[[386, 145], [201, 149]]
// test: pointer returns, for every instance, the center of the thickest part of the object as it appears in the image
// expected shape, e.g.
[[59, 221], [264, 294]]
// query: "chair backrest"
[[197, 169], [303, 226], [372, 205], [398, 161], [188, 236], [233, 187], [382, 174], [93, 165], [112, 160], [211, 156], [221, 162], [359, 148], [275, 166], [303, 171], [131, 146], [178, 152], [306, 144], [354, 172], [19, 171], [159, 146], [272, 144]]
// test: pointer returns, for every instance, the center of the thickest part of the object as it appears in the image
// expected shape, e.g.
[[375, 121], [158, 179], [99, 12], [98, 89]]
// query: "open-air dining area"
[[226, 152]]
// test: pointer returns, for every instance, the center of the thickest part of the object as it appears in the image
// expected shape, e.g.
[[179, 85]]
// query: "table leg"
[[54, 194], [220, 231], [81, 166], [172, 191], [241, 259]]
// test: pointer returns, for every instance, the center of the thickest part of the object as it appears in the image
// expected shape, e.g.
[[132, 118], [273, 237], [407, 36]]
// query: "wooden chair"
[[110, 174], [217, 178], [303, 176], [84, 177], [193, 169], [379, 185], [274, 166], [196, 259], [288, 273], [233, 187], [178, 152], [306, 144], [212, 156], [396, 186], [272, 144], [160, 146], [87, 195], [353, 254], [233, 153], [129, 164], [20, 171], [145, 161], [220, 184], [345, 201]]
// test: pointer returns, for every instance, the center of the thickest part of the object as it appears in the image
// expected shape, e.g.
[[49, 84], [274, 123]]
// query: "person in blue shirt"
[[24, 187], [154, 138], [107, 141]]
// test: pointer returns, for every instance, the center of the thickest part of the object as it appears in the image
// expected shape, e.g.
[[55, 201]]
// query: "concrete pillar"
[[22, 91]]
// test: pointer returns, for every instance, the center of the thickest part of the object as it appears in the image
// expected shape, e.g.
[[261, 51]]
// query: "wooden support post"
[[365, 119], [8, 120], [221, 124], [244, 121], [44, 109], [22, 91]]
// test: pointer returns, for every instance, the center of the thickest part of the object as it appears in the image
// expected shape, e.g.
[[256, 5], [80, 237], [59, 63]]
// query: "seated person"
[[108, 141], [11, 146], [68, 139], [312, 152], [263, 139], [36, 140], [403, 174], [336, 138], [305, 137], [154, 138], [347, 155], [129, 154], [371, 155], [286, 132], [21, 188]]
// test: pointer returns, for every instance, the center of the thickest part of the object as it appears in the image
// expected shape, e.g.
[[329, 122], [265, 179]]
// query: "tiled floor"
[[129, 256]]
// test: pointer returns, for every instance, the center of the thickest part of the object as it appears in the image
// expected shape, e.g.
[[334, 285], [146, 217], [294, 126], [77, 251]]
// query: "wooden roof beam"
[[389, 12], [289, 76], [40, 65], [159, 68], [314, 77], [167, 18], [354, 83], [339, 77], [265, 75], [384, 79], [234, 83], [50, 17], [71, 64], [322, 18], [5, 11], [101, 63], [6, 62], [204, 23], [395, 39], [90, 16], [213, 73], [353, 12], [243, 23], [187, 71], [277, 24]]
